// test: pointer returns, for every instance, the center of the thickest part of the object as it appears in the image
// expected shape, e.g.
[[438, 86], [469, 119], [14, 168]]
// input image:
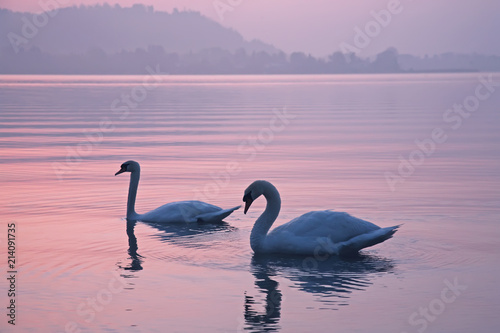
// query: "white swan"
[[312, 233], [174, 212]]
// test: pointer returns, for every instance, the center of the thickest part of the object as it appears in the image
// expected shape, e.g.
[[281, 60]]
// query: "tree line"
[[219, 61]]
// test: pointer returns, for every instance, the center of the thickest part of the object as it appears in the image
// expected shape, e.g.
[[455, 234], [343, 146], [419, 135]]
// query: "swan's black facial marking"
[[123, 169], [247, 198]]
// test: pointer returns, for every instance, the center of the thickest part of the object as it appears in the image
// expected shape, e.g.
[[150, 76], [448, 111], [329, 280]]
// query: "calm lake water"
[[386, 148]]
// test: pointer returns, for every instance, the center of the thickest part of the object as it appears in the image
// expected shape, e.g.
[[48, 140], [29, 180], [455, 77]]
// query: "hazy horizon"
[[320, 27]]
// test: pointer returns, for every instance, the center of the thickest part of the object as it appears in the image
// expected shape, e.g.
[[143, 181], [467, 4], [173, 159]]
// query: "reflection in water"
[[198, 244], [136, 259], [269, 319], [185, 233], [331, 279], [182, 235]]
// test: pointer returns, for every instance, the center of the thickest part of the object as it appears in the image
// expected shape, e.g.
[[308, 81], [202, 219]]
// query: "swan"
[[174, 212], [335, 233]]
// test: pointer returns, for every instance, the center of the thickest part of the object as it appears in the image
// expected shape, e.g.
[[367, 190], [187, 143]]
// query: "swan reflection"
[[332, 281], [192, 235], [136, 259], [196, 236], [267, 319]]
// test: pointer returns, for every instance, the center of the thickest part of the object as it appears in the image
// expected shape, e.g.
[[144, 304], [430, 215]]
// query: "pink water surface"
[[208, 137]]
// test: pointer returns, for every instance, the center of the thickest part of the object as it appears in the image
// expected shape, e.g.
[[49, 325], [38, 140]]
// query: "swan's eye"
[[248, 196], [124, 166]]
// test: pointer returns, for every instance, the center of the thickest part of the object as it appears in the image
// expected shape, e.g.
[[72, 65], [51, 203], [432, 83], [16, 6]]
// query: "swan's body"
[[174, 212], [312, 233]]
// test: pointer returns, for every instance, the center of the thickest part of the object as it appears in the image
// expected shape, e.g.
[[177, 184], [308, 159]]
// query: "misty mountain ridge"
[[115, 28], [106, 39]]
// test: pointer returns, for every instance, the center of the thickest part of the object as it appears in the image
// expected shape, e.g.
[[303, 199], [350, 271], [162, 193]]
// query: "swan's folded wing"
[[179, 212], [338, 226], [353, 245], [215, 217], [173, 212]]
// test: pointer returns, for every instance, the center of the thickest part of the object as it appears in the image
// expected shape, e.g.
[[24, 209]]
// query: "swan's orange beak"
[[247, 198], [122, 170]]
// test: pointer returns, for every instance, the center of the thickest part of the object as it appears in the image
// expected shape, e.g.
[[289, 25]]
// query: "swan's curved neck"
[[132, 193], [266, 220]]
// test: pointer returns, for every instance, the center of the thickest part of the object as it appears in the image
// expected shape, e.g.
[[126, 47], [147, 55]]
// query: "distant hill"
[[114, 28], [113, 40]]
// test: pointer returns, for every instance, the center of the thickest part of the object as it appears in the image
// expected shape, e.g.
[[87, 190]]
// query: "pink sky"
[[321, 26]]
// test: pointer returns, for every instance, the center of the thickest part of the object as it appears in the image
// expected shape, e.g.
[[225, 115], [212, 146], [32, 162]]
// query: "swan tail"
[[216, 217], [353, 245]]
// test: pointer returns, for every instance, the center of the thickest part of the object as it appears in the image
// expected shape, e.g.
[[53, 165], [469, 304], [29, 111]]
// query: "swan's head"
[[255, 190], [129, 166]]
